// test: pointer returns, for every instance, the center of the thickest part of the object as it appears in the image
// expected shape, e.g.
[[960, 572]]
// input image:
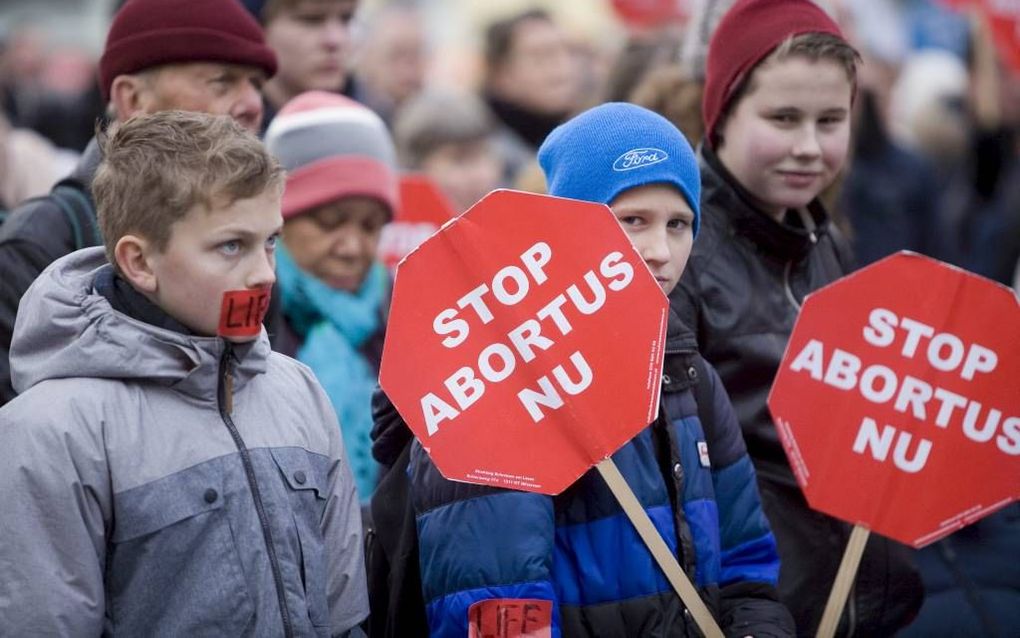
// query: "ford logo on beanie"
[[615, 147], [638, 158]]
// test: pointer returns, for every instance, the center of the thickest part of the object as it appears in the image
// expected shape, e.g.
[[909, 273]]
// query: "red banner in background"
[[423, 209], [1003, 18]]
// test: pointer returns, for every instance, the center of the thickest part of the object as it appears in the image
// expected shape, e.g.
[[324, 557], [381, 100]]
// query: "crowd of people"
[[171, 467]]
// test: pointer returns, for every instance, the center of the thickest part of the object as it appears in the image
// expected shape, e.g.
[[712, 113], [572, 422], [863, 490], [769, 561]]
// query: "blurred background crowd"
[[470, 89]]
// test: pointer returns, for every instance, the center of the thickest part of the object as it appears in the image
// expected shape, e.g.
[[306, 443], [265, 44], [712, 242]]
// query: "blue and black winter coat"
[[689, 470]]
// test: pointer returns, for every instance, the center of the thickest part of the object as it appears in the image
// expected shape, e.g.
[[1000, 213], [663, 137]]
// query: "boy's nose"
[[655, 248], [263, 272]]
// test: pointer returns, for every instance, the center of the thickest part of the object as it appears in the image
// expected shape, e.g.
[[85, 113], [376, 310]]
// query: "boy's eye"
[[679, 223], [272, 241], [230, 248], [630, 220]]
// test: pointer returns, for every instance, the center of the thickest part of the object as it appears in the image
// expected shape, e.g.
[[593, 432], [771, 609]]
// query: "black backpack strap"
[[80, 214]]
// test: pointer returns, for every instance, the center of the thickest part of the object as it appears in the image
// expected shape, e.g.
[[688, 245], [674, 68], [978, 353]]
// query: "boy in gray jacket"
[[162, 471]]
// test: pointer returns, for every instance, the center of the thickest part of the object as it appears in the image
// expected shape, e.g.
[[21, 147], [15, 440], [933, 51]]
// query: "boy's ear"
[[129, 95], [134, 260]]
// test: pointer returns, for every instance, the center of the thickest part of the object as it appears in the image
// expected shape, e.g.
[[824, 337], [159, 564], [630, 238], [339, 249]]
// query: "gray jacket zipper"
[[225, 399]]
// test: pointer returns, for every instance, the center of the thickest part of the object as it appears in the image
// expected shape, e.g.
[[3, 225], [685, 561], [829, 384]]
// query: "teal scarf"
[[333, 325]]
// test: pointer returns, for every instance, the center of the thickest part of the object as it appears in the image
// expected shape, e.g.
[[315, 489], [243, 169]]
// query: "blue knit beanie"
[[615, 147]]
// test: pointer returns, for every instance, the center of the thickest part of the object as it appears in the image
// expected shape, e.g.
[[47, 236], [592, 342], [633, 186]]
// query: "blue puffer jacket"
[[580, 551]]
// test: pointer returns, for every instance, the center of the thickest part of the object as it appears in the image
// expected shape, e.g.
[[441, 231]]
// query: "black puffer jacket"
[[741, 293], [36, 234]]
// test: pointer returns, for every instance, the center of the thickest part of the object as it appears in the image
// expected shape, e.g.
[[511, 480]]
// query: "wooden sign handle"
[[660, 551], [844, 581]]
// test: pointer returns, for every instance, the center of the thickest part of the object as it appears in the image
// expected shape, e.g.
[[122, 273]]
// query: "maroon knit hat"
[[748, 32], [148, 33]]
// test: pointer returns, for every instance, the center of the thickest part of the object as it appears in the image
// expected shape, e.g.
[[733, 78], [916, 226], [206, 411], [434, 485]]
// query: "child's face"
[[786, 140], [311, 39], [465, 171], [210, 252], [337, 243], [658, 220]]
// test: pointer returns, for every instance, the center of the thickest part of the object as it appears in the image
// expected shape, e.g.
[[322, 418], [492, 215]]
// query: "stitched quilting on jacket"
[[580, 551], [143, 497]]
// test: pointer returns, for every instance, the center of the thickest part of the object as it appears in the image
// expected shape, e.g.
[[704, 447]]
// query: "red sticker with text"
[[242, 311], [510, 618]]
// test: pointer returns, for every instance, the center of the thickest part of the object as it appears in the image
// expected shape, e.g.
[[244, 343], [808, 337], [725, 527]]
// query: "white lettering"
[[504, 354], [536, 257], [435, 411], [979, 359], [464, 387], [445, 323], [474, 299], [842, 370], [614, 266], [526, 336], [880, 331], [548, 397], [499, 285], [810, 359], [1009, 440]]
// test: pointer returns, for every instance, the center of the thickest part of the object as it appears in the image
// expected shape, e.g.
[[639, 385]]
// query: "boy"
[[312, 42], [451, 138], [160, 55], [578, 549], [160, 479], [779, 85]]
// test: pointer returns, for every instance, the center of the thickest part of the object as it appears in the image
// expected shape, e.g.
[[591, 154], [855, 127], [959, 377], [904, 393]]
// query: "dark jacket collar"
[[679, 338], [789, 240], [126, 300], [530, 126]]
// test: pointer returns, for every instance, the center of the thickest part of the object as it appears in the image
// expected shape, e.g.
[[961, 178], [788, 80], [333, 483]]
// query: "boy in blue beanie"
[[689, 468]]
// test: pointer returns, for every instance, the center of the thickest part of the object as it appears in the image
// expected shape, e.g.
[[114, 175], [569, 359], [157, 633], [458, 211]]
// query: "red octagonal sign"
[[525, 342], [899, 395]]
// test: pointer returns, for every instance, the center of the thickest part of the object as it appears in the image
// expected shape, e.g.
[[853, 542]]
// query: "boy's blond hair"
[[156, 168]]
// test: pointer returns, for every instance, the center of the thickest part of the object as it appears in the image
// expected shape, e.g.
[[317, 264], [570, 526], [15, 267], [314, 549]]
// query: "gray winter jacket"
[[158, 484]]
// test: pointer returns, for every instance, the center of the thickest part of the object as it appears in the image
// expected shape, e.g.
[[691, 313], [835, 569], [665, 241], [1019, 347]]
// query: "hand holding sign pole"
[[534, 353], [914, 365]]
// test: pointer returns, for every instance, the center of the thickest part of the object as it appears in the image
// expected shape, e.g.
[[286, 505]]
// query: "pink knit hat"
[[332, 147]]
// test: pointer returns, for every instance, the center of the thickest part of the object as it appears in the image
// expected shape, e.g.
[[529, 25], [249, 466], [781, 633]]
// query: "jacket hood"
[[65, 328]]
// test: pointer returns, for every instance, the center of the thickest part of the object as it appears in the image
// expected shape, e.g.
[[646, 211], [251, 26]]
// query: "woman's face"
[[337, 242]]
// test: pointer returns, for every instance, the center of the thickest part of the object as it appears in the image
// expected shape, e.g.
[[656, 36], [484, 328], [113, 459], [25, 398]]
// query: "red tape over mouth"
[[242, 312]]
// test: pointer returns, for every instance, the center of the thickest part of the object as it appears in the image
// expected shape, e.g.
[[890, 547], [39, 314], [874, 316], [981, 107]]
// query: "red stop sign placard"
[[423, 209], [899, 395], [525, 342]]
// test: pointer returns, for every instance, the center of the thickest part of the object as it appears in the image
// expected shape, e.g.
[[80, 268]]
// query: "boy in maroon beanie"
[[779, 83]]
